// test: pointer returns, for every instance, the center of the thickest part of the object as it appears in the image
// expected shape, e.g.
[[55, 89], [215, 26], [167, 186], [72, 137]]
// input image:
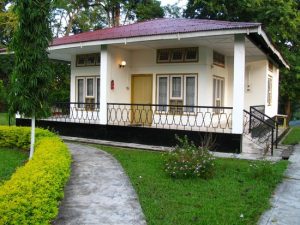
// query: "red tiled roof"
[[153, 27]]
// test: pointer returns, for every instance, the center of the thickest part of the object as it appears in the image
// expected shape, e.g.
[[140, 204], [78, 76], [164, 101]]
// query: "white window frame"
[[195, 99], [269, 91], [157, 90], [222, 79], [86, 87], [171, 87], [85, 94], [183, 87]]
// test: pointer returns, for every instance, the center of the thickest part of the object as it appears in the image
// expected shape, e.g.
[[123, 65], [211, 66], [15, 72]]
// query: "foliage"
[[32, 194], [5, 119], [85, 15], [18, 137], [8, 22], [10, 159], [220, 200], [32, 75], [59, 88], [187, 160], [281, 20], [293, 137]]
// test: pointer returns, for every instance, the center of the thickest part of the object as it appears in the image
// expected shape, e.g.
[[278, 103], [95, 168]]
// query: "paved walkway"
[[286, 200], [98, 192]]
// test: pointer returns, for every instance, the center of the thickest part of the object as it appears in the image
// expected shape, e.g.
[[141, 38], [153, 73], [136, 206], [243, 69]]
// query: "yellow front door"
[[141, 97]]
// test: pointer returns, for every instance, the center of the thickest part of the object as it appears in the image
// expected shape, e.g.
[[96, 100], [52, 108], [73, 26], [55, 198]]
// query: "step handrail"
[[268, 124]]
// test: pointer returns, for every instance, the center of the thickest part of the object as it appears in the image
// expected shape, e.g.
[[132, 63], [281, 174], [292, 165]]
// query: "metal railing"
[[75, 112], [180, 117], [258, 112], [260, 131]]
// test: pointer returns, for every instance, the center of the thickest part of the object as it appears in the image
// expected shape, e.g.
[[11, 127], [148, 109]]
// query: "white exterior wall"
[[255, 80], [144, 62], [272, 110]]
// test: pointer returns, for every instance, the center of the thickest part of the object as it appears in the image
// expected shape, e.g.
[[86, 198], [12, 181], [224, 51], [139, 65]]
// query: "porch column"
[[103, 84], [238, 84]]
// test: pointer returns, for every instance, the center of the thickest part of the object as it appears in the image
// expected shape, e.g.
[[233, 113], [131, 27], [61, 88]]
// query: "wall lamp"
[[123, 64]]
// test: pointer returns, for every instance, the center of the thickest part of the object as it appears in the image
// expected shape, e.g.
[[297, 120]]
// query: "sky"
[[181, 3]]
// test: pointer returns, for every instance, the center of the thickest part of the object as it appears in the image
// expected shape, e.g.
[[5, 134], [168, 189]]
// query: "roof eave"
[[157, 37], [261, 33]]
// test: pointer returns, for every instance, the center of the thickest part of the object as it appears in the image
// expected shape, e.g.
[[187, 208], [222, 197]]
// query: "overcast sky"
[[181, 3]]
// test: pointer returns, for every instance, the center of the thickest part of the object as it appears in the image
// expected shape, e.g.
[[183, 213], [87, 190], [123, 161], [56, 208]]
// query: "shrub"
[[32, 194], [187, 160], [19, 137]]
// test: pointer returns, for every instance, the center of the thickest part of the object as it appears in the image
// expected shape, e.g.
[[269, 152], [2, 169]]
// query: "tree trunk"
[[32, 136], [288, 109]]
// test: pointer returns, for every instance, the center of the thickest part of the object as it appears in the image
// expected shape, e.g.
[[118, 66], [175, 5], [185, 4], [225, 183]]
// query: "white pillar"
[[238, 84], [103, 84]]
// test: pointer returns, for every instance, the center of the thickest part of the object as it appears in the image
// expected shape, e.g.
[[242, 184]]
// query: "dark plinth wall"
[[149, 136]]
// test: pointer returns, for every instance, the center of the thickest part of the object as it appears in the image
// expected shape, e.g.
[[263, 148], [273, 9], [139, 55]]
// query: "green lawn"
[[234, 196], [9, 161], [293, 137], [4, 119]]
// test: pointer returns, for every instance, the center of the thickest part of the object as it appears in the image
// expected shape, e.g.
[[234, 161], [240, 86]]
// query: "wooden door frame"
[[141, 75]]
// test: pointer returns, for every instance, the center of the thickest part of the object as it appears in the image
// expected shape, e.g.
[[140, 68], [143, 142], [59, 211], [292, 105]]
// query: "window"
[[177, 55], [190, 93], [88, 60], [173, 55], [88, 92], [218, 59], [269, 97], [176, 87], [176, 90], [163, 55], [191, 55], [218, 92], [162, 93]]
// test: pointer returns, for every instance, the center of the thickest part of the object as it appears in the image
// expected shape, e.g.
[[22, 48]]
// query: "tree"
[[281, 19], [31, 75]]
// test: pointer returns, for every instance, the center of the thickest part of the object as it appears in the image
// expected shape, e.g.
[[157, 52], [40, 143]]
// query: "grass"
[[293, 137], [9, 160], [237, 194], [4, 119]]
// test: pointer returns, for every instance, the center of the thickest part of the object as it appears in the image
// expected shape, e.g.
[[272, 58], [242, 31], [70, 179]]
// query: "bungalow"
[[148, 81]]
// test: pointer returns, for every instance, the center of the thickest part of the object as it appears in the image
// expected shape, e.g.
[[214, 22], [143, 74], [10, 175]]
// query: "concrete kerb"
[[243, 156]]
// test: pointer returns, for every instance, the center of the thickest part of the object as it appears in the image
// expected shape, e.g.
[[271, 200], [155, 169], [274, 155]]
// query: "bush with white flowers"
[[186, 160]]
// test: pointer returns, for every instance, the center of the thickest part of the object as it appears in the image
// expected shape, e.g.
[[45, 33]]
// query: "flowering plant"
[[187, 160]]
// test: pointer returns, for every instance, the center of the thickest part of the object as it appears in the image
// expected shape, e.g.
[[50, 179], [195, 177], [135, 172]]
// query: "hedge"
[[33, 193]]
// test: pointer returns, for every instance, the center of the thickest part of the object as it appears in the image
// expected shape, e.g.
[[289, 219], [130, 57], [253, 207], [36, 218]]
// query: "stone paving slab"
[[286, 200], [99, 192]]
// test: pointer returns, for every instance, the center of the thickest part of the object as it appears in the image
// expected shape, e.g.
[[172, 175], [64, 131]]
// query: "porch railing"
[[259, 131], [181, 117], [75, 112], [259, 111]]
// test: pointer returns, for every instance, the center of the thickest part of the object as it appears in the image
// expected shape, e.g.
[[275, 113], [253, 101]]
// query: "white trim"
[[272, 47], [86, 80], [181, 87], [157, 90]]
